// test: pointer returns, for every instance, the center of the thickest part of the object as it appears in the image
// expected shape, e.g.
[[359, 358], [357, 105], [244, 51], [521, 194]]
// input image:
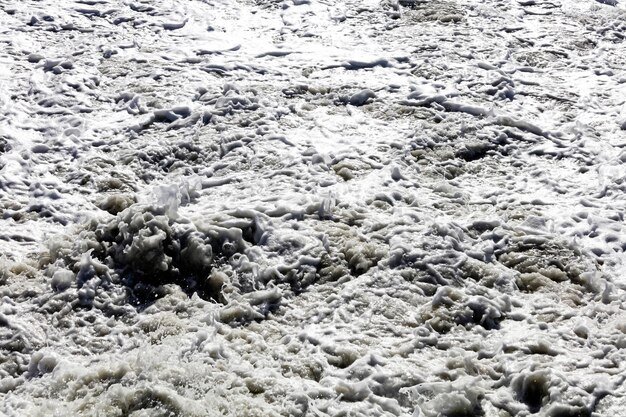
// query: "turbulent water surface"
[[312, 208]]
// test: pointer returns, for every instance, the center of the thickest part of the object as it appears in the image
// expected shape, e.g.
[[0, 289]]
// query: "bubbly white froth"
[[312, 208]]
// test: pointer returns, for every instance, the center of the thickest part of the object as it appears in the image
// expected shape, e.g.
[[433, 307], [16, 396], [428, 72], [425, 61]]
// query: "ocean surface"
[[313, 208]]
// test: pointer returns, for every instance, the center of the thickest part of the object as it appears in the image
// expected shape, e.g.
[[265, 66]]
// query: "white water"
[[263, 208]]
